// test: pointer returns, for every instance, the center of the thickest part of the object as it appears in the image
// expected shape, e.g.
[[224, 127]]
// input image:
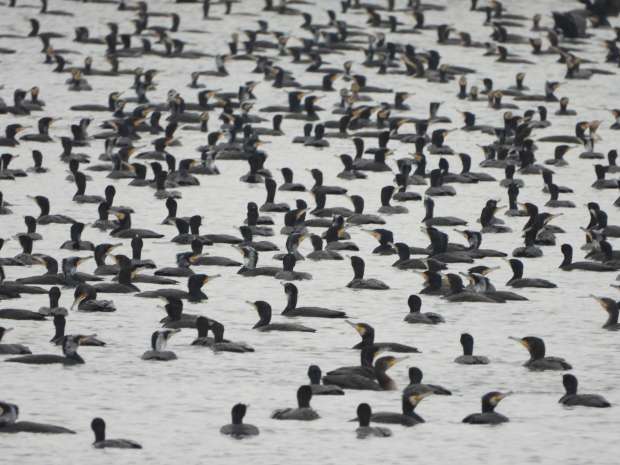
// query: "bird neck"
[[291, 302]]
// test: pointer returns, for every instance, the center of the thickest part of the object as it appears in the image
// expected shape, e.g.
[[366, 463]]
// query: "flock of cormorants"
[[234, 124]]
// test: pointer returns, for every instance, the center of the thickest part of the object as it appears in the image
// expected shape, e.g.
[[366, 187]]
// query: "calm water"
[[175, 409]]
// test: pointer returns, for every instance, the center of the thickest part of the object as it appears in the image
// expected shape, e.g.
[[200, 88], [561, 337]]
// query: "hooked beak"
[[83, 259], [416, 398], [112, 247], [396, 360], [78, 300], [209, 278], [520, 341], [38, 260], [356, 327]]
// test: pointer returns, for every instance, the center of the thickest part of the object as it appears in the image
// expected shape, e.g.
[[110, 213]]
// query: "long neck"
[[384, 380], [568, 258], [194, 290], [517, 272], [512, 202], [75, 357], [124, 277], [468, 348], [291, 302], [59, 325], [51, 267], [429, 207], [218, 334], [368, 339], [99, 435], [358, 271], [407, 407], [487, 407], [612, 320], [265, 319]]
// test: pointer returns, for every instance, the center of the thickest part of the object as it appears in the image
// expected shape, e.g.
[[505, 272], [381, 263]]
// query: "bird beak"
[[77, 300], [416, 398], [520, 341], [360, 329], [114, 246], [396, 360], [209, 278], [38, 260], [85, 338], [372, 233]]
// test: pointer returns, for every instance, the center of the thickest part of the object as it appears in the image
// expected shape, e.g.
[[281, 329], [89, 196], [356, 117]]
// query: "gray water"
[[175, 409]]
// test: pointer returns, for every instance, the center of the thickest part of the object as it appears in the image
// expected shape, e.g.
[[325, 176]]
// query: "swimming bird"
[[431, 220], [364, 430], [415, 316], [193, 293], [416, 385], [70, 356], [250, 260], [367, 333], [538, 362], [568, 264], [302, 412], [237, 429], [288, 273], [85, 299], [488, 416], [386, 241], [318, 389], [293, 310], [571, 398], [9, 424], [220, 344], [611, 307], [60, 323], [76, 242], [408, 416], [386, 207], [158, 351], [405, 262], [318, 253], [11, 349], [98, 427], [365, 368], [45, 217], [318, 186], [358, 281], [468, 357], [517, 280], [124, 229], [264, 323], [379, 380]]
